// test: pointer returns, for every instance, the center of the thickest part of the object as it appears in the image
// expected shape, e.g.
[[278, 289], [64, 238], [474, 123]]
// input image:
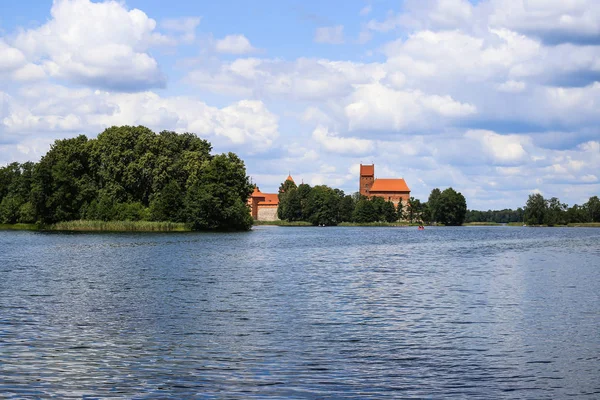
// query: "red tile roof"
[[271, 199], [367, 170], [389, 185], [257, 192]]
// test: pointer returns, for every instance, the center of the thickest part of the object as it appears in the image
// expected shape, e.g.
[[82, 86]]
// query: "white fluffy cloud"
[[245, 123], [332, 142], [303, 79], [234, 44], [97, 44], [377, 107], [503, 149], [185, 27]]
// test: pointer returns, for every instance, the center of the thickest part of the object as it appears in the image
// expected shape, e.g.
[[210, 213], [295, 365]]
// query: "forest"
[[129, 173], [541, 211], [551, 212]]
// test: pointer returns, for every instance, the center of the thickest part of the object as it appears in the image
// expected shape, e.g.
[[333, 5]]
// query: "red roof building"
[[263, 206], [395, 190]]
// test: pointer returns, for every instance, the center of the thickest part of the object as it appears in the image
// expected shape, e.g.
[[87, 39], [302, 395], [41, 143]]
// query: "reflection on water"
[[302, 312]]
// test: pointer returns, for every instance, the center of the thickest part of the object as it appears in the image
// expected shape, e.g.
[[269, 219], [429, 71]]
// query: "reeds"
[[119, 226]]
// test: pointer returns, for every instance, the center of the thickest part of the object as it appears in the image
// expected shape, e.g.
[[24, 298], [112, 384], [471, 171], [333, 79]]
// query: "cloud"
[[503, 149], [377, 107], [302, 79], [330, 34], [245, 124], [512, 86], [96, 44], [234, 44], [553, 21], [10, 57], [185, 26], [366, 10], [331, 142]]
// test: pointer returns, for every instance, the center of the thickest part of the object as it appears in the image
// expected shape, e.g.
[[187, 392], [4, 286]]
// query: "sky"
[[495, 98]]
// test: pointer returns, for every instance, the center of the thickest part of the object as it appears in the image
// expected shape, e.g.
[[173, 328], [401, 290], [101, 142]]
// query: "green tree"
[[290, 207], [593, 209], [389, 212], [9, 209], [322, 206], [400, 210], [62, 185], [577, 214], [217, 200], [555, 212], [452, 208], [535, 209], [433, 205], [346, 208], [364, 211], [414, 209], [167, 205], [378, 206]]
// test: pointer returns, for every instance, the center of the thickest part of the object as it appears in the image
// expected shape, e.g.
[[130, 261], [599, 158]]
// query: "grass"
[[481, 224], [19, 227], [119, 226], [283, 223], [376, 224], [585, 225]]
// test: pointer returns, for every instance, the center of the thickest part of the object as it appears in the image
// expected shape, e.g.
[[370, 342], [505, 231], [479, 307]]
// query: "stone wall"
[[267, 214]]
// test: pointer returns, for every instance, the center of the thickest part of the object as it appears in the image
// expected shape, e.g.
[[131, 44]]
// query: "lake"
[[302, 312]]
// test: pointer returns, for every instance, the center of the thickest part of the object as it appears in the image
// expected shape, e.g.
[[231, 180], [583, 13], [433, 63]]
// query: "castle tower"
[[367, 177]]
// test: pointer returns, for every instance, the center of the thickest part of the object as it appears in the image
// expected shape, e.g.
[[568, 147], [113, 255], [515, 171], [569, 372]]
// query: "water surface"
[[282, 312]]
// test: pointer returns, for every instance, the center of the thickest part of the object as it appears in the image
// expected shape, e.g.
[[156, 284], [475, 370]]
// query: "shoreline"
[[148, 226]]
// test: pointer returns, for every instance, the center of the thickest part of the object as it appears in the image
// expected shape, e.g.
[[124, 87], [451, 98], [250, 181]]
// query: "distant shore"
[[149, 226]]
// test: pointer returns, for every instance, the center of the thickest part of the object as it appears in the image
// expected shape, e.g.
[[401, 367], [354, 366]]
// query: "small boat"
[[421, 228]]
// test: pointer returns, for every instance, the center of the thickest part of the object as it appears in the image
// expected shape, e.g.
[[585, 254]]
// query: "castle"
[[263, 206], [394, 190]]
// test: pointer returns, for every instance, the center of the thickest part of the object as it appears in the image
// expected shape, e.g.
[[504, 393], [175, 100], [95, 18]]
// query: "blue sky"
[[496, 98]]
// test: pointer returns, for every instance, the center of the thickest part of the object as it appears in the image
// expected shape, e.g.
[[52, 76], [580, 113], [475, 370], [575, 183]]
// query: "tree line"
[[129, 173], [541, 211], [322, 205], [497, 216]]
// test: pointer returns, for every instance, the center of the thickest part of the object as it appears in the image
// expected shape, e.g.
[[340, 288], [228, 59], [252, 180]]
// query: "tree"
[[167, 205], [400, 210], [555, 212], [535, 209], [9, 209], [322, 206], [414, 209], [593, 208], [62, 185], [364, 212], [452, 208], [217, 199], [346, 209], [289, 207], [129, 173], [433, 205], [577, 214], [389, 212]]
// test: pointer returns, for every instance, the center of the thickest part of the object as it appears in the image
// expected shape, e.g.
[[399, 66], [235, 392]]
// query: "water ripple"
[[302, 313]]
